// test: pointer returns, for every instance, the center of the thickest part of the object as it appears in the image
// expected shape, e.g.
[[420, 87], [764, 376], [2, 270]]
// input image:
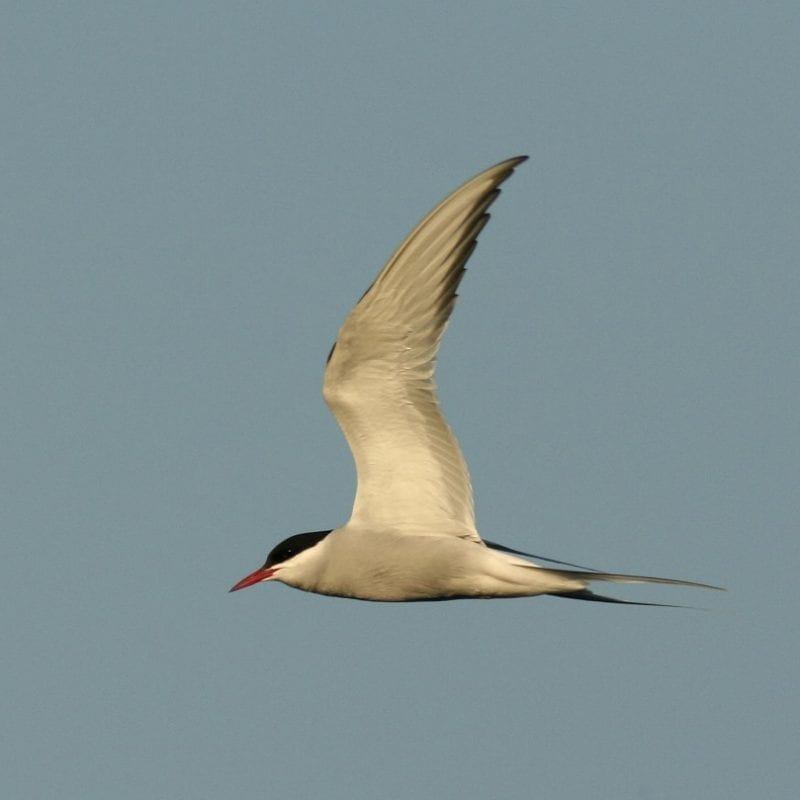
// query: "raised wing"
[[379, 382]]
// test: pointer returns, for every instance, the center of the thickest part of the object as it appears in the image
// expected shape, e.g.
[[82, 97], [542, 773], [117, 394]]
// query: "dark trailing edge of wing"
[[505, 549]]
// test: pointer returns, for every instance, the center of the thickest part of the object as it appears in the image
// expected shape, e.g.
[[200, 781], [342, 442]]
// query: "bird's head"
[[286, 558]]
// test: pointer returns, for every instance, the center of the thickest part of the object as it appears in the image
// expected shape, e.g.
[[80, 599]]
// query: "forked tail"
[[611, 577]]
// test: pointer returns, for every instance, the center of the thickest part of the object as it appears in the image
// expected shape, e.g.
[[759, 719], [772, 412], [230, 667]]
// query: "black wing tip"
[[509, 165], [500, 172]]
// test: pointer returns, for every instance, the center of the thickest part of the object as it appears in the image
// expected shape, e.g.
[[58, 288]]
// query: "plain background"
[[195, 194]]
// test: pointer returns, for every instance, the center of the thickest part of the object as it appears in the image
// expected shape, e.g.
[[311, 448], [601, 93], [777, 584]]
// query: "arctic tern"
[[412, 534]]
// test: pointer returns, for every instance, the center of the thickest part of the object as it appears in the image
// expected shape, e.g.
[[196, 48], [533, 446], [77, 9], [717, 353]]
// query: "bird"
[[412, 535]]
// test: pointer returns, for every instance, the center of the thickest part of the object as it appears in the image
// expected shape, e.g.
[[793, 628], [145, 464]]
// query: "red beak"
[[259, 575]]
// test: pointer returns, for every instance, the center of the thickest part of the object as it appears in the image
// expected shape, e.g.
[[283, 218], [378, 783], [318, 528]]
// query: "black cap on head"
[[292, 546]]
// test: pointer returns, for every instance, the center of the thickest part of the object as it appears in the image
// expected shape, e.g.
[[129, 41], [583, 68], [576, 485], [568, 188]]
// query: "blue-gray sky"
[[195, 194]]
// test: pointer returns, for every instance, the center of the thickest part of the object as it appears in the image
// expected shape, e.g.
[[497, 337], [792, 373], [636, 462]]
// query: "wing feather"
[[379, 381]]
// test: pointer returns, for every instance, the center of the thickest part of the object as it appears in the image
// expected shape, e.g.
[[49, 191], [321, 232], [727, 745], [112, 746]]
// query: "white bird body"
[[398, 564], [412, 534]]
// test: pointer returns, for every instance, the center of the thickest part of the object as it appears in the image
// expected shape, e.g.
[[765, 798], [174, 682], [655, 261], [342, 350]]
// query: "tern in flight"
[[412, 534]]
